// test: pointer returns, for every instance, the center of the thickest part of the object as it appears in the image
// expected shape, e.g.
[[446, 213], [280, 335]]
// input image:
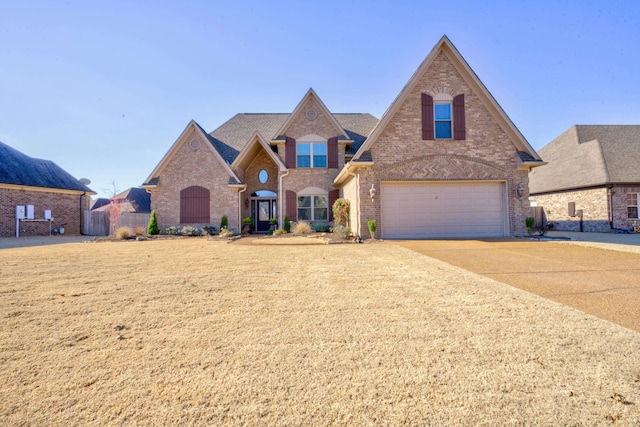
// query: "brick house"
[[443, 161], [26, 181], [595, 169]]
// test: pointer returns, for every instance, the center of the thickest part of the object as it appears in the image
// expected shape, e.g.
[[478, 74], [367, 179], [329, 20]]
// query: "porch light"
[[519, 191], [372, 193], [246, 202]]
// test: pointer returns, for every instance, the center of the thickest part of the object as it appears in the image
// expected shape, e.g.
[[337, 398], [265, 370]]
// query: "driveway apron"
[[601, 282]]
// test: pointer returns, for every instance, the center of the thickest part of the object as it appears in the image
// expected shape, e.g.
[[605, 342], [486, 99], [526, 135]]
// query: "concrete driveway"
[[598, 281]]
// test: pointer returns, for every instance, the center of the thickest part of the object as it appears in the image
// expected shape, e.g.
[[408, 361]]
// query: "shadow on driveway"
[[605, 283]]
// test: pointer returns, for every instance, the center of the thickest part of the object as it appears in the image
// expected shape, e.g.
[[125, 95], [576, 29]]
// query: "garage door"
[[443, 210]]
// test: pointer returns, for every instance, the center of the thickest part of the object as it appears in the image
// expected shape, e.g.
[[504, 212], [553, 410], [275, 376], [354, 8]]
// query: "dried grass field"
[[197, 332]]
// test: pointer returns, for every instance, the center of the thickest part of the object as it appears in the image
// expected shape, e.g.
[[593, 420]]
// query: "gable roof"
[[17, 168], [152, 180], [588, 156], [139, 199], [311, 94], [232, 136], [252, 148], [444, 45]]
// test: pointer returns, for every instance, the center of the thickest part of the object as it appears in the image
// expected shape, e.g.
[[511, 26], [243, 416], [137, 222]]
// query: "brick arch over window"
[[194, 205]]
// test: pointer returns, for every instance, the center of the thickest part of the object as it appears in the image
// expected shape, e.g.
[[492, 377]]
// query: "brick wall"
[[190, 167], [619, 202], [299, 179], [593, 202], [487, 153], [66, 209]]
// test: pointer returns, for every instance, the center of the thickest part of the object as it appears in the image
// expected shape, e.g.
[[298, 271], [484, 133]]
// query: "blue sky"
[[104, 88]]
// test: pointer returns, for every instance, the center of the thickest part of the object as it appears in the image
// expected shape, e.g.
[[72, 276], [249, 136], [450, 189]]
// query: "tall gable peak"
[[444, 54], [311, 116]]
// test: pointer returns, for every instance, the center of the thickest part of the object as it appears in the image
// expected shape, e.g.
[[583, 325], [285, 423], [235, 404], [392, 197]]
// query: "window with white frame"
[[442, 115], [313, 208], [311, 152], [632, 205]]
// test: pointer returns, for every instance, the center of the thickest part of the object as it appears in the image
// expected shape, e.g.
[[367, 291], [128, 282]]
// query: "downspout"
[[280, 211], [244, 188], [610, 205], [81, 211]]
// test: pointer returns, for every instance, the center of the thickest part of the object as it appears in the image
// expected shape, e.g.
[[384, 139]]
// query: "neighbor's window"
[[442, 114], [632, 205], [313, 208], [312, 154]]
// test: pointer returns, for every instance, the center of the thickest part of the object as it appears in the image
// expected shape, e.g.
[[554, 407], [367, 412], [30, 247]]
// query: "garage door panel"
[[440, 210]]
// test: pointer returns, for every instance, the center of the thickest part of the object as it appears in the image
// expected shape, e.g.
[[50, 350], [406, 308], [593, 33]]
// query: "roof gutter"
[[348, 171]]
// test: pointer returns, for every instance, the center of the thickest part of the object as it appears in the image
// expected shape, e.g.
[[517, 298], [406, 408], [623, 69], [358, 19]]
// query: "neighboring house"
[[133, 200], [26, 181], [595, 169], [443, 161]]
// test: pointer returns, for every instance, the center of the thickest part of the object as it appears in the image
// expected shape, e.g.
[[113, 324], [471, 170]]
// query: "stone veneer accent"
[[401, 154], [66, 208], [194, 167]]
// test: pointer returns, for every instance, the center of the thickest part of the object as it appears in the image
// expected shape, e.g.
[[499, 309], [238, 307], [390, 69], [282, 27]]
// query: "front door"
[[265, 209]]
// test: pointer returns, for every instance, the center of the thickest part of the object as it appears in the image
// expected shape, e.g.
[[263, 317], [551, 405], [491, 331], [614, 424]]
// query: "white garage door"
[[443, 210]]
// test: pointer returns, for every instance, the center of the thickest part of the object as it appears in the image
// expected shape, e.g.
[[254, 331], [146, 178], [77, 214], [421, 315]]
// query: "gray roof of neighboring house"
[[588, 156], [137, 199], [19, 169], [231, 137]]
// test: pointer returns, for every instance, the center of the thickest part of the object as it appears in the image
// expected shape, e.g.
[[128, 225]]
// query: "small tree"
[[287, 224], [224, 222], [530, 222], [152, 227], [341, 211], [372, 224]]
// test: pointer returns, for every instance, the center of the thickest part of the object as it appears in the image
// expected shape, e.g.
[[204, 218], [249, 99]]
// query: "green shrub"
[[279, 231], [340, 210], [373, 225], [224, 222], [152, 227], [287, 224], [530, 221], [302, 227], [321, 227], [210, 230]]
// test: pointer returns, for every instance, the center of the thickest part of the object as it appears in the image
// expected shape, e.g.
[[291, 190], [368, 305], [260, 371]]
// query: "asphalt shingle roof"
[[231, 137], [588, 156], [19, 169]]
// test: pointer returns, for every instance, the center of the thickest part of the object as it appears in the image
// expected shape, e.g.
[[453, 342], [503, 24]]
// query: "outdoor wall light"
[[246, 203], [519, 191], [372, 193]]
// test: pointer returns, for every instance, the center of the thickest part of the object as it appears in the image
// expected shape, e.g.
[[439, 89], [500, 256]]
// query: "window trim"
[[436, 120], [312, 206], [312, 140], [637, 205]]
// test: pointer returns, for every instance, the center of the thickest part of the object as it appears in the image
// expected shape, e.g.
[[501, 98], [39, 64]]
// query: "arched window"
[[194, 205]]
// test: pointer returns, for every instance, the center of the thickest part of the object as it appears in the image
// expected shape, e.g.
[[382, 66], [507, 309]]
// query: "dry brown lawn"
[[195, 332]]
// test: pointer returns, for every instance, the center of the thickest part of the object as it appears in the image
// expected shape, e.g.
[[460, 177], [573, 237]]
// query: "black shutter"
[[427, 117], [290, 153], [458, 118]]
